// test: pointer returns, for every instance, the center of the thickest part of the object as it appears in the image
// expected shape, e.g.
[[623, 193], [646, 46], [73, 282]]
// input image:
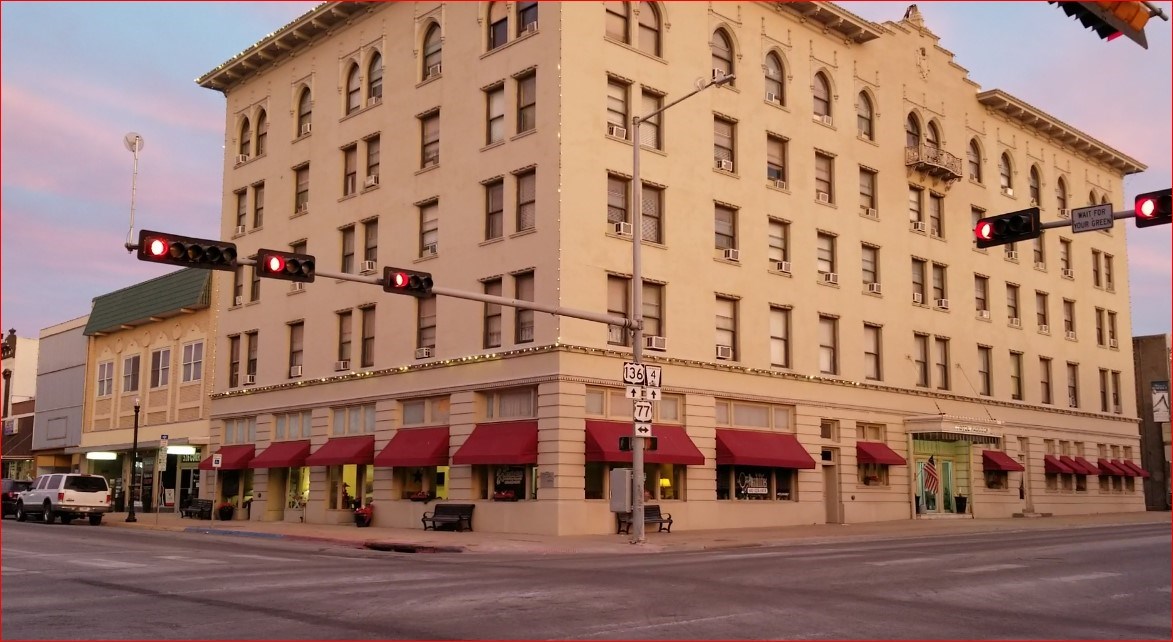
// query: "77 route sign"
[[639, 374]]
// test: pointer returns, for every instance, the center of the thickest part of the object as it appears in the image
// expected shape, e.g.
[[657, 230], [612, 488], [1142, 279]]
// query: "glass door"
[[929, 503], [946, 467]]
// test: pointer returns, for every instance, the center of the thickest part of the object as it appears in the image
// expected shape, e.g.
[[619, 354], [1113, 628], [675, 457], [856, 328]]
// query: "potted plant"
[[421, 496], [871, 480], [959, 502], [363, 515], [504, 496], [224, 511]]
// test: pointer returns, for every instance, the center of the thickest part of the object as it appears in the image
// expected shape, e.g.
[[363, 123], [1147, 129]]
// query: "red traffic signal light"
[[186, 251], [1152, 208], [1017, 226], [410, 282], [288, 266]]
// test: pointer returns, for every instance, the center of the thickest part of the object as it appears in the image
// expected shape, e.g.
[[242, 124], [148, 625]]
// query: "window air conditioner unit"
[[725, 352], [240, 229], [943, 304], [241, 158], [1034, 203], [771, 97], [830, 277], [435, 70], [428, 250], [1068, 273], [730, 254], [367, 266], [239, 300], [303, 208], [917, 226], [1112, 343], [250, 380], [1015, 322], [297, 286], [984, 314], [1064, 212], [432, 159], [870, 212], [372, 180], [1008, 191], [724, 164], [531, 27], [918, 298], [653, 342], [341, 365], [374, 100], [782, 266], [423, 353], [822, 118], [1044, 329], [616, 131], [1011, 255], [718, 74], [1039, 265], [294, 371], [823, 197], [874, 288], [622, 228], [779, 183], [1071, 335], [306, 128]]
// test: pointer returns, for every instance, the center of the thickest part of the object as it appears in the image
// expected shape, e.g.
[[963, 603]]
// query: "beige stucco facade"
[[799, 344]]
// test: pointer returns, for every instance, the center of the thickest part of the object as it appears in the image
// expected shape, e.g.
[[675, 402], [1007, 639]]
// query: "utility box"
[[621, 490]]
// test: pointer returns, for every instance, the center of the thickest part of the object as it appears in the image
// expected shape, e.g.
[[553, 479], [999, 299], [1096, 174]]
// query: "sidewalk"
[[420, 541]]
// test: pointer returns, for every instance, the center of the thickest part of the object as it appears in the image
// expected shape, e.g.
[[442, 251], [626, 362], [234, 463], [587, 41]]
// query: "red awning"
[[283, 454], [1052, 464], [874, 452], [416, 447], [758, 448], [1072, 464], [998, 460], [1108, 468], [340, 451], [673, 445], [506, 442], [1088, 467], [1125, 471], [1140, 472], [231, 457]]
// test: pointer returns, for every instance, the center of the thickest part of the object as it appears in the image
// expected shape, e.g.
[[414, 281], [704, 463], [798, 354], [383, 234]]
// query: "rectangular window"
[[1109, 276], [495, 115], [936, 216], [776, 150], [825, 253], [518, 403], [779, 242], [1112, 341], [368, 337], [1012, 302], [426, 323], [779, 337], [1100, 340], [492, 338], [1096, 279], [870, 264], [618, 297], [523, 288], [1116, 406], [941, 346], [921, 359], [253, 347], [494, 210], [373, 148], [828, 345], [1041, 308], [429, 228], [1104, 390], [193, 361], [430, 140], [650, 130], [258, 205], [1040, 254], [1016, 375], [238, 285], [981, 294], [824, 178], [617, 118], [1045, 380], [1072, 385], [1065, 254], [296, 345], [344, 335], [527, 196], [233, 361], [653, 309], [985, 374], [130, 374], [867, 191], [254, 285], [617, 189], [724, 135], [347, 265], [871, 352], [293, 425], [915, 207], [727, 325], [939, 281], [1069, 316], [370, 240], [725, 227], [241, 207], [301, 199], [919, 267], [354, 420], [160, 368], [350, 170], [527, 103], [652, 213]]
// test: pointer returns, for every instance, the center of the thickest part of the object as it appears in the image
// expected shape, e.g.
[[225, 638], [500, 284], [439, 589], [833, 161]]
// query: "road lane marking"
[[905, 560], [190, 560], [1164, 589], [13, 570], [264, 558], [988, 568], [1081, 578], [107, 564]]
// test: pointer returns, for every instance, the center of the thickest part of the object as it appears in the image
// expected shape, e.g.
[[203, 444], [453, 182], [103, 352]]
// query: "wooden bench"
[[458, 514], [198, 508], [652, 515]]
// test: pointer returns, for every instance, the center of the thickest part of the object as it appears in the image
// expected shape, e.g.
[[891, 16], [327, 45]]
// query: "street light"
[[637, 298], [133, 464]]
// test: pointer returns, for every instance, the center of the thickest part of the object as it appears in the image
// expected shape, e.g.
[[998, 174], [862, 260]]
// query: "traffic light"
[[410, 282], [1110, 20], [1153, 208], [650, 443], [1022, 225], [275, 264], [173, 249]]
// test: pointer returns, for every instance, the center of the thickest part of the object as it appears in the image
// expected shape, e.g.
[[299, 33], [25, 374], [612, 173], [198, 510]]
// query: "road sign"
[[217, 460], [642, 412], [653, 375], [1091, 218], [161, 460], [643, 430], [633, 373], [652, 394], [634, 392], [163, 440]]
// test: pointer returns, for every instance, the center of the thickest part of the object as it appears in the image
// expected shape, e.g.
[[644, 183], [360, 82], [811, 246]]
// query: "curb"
[[397, 547], [219, 531]]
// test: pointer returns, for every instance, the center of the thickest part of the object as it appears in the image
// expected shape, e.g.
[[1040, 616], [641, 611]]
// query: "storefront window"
[[997, 479], [416, 482], [663, 481], [755, 483], [349, 486], [596, 479], [873, 474], [297, 487]]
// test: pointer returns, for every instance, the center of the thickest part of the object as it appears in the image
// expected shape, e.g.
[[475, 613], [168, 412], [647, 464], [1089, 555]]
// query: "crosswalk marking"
[[101, 563], [191, 560], [988, 569], [1081, 578]]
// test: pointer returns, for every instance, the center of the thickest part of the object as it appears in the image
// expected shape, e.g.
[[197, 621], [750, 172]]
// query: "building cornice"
[[832, 17]]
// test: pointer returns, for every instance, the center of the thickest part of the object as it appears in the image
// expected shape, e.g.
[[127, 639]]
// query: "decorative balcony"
[[934, 161]]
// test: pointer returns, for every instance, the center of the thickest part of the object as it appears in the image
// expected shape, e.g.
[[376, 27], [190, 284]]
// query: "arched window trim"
[[1061, 195], [641, 30], [914, 133], [305, 110], [975, 150], [864, 97], [432, 51], [623, 15], [1006, 171], [775, 85], [722, 35], [374, 83], [822, 79], [496, 22], [1035, 188], [246, 137], [353, 93], [262, 137], [933, 137]]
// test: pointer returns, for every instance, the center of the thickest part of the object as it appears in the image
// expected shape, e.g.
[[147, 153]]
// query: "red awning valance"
[[673, 445], [1000, 461], [1125, 471], [341, 451], [416, 447], [231, 457], [1053, 465], [874, 452], [759, 448], [1073, 465], [1108, 468], [1088, 467], [283, 454], [1135, 468], [506, 442]]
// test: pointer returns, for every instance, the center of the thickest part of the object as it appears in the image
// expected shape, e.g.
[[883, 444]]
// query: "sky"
[[76, 77]]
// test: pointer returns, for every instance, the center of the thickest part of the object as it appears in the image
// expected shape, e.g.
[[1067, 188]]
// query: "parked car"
[[65, 495], [12, 488]]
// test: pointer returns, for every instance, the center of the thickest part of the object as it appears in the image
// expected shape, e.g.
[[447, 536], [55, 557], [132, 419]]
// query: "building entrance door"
[[936, 497], [831, 490]]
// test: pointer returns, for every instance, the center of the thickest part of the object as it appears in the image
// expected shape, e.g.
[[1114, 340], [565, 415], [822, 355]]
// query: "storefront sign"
[[10, 427], [979, 430], [190, 459], [753, 484], [510, 476], [1160, 390]]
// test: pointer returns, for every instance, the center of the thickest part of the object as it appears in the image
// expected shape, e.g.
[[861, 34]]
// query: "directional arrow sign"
[[643, 430], [633, 392]]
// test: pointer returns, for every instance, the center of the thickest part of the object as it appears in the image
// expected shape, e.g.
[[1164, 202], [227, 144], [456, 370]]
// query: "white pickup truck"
[[65, 495]]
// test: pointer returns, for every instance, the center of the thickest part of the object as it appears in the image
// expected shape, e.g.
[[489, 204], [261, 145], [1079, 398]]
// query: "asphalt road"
[[78, 581]]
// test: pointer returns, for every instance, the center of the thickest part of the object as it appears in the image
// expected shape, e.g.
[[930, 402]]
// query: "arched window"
[[975, 160], [911, 131], [649, 29], [262, 133], [1091, 198], [1061, 194], [305, 112], [822, 96], [375, 78], [527, 14], [433, 51], [353, 89], [618, 19], [863, 117], [1104, 200], [933, 136], [774, 87], [722, 52], [1004, 172], [498, 25], [1035, 182], [246, 138]]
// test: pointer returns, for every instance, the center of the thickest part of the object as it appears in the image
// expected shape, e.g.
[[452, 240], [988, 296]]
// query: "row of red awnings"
[[1065, 465]]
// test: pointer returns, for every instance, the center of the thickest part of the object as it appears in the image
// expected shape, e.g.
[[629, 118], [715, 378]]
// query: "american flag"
[[932, 479]]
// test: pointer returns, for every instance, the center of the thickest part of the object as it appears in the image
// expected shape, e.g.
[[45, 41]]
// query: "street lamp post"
[[133, 465], [637, 299]]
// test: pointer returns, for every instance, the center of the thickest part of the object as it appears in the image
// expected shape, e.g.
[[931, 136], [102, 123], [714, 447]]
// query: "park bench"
[[652, 515], [198, 508], [459, 515]]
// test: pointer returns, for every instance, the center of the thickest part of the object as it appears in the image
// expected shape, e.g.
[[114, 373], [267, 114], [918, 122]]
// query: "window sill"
[[1040, 269], [1009, 260], [299, 213], [532, 230], [876, 295], [347, 197], [301, 137], [523, 134], [369, 188], [770, 185], [252, 303], [776, 105], [250, 160], [830, 204], [499, 239], [719, 259], [867, 140], [429, 80], [428, 168], [785, 274], [293, 292], [1070, 338], [361, 110], [428, 257], [980, 250], [726, 173], [823, 282], [985, 319], [633, 49], [496, 143], [256, 229], [617, 139], [237, 235]]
